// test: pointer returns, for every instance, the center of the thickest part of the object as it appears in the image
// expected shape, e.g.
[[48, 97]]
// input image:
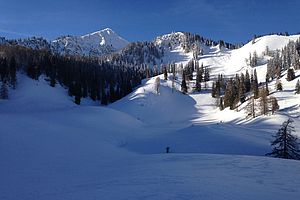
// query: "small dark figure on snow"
[[168, 150]]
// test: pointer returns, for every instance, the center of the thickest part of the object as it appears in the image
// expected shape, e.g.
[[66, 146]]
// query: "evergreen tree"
[[267, 84], [285, 143], [165, 73], [183, 84], [290, 74], [157, 85], [213, 90], [254, 85], [278, 85], [206, 74], [297, 87], [247, 82], [221, 106], [13, 72], [229, 95], [198, 79], [3, 90], [274, 104], [264, 102], [251, 108]]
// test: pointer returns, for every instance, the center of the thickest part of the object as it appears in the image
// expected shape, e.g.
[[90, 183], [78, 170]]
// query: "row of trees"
[[8, 77], [285, 59], [234, 91], [100, 80], [202, 76]]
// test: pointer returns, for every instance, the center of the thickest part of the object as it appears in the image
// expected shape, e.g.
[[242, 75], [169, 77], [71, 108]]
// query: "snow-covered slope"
[[94, 44], [51, 149], [230, 62]]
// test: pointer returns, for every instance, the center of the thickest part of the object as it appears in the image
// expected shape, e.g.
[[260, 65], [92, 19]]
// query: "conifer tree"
[[247, 82], [229, 95], [285, 144], [297, 87], [251, 108], [278, 85], [254, 84], [221, 105], [183, 83], [198, 79], [264, 102], [3, 90], [274, 104], [290, 74], [165, 74]]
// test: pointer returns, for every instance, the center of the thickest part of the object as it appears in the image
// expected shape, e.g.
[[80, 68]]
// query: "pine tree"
[[247, 82], [221, 104], [285, 144], [183, 84], [213, 90], [157, 85], [251, 108], [254, 85], [274, 104], [290, 74], [3, 91], [264, 102], [165, 74], [13, 72], [278, 85], [229, 95], [198, 80], [297, 87]]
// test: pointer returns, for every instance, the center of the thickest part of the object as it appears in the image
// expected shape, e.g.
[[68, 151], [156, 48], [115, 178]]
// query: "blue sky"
[[231, 20]]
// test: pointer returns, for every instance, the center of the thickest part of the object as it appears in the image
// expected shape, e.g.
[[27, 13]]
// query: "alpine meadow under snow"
[[52, 148]]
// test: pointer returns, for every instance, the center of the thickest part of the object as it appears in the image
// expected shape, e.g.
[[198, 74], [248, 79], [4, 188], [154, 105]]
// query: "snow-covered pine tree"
[[285, 143]]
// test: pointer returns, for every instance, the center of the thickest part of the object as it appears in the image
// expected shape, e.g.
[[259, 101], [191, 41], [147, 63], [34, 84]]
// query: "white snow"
[[51, 148]]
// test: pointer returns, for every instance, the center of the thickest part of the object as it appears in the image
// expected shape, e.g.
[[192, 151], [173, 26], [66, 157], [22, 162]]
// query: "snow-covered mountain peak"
[[106, 37], [93, 44]]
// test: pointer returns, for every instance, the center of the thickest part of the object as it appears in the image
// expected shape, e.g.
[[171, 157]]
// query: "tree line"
[[101, 80]]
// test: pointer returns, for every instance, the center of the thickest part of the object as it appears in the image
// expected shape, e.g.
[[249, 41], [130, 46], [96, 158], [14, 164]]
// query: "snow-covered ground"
[[51, 148]]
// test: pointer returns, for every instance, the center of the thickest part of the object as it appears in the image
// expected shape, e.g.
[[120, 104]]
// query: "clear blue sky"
[[232, 20]]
